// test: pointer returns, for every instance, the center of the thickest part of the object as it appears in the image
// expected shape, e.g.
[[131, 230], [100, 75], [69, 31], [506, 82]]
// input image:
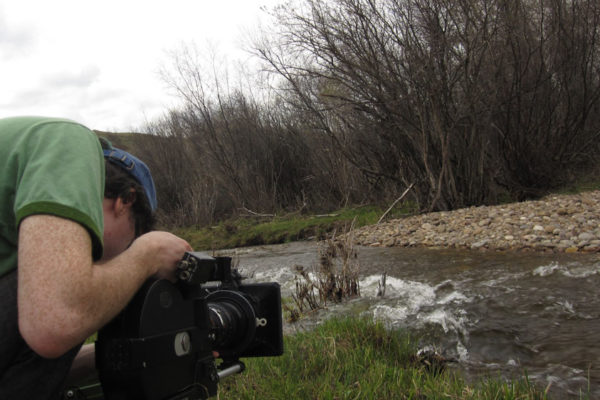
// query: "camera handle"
[[232, 368]]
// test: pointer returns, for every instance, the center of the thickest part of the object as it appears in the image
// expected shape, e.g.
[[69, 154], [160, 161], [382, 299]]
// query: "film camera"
[[161, 346]]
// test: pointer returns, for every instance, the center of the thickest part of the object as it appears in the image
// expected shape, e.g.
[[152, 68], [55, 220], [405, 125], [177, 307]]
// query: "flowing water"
[[497, 314]]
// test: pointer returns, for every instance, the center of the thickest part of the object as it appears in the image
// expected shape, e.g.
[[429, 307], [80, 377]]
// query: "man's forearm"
[[63, 297]]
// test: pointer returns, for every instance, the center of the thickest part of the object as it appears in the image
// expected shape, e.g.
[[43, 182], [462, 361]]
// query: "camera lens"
[[232, 321], [228, 323]]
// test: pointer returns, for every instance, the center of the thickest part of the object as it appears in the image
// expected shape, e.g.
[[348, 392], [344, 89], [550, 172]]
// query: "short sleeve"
[[61, 172]]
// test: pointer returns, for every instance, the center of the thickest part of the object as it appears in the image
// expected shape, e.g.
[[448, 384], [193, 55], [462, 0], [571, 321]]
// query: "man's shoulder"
[[18, 133], [35, 122]]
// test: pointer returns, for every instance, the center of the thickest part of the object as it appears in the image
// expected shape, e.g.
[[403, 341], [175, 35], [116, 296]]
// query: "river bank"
[[557, 223]]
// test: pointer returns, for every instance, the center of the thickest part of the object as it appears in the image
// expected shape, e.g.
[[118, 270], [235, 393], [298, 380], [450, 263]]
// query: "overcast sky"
[[98, 61]]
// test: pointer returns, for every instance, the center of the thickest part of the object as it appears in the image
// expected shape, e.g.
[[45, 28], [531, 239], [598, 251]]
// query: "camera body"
[[161, 346]]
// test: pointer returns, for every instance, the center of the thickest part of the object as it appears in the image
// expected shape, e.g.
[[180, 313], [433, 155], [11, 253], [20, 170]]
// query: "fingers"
[[162, 251]]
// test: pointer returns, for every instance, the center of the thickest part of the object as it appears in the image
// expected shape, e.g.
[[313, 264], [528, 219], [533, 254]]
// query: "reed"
[[333, 279]]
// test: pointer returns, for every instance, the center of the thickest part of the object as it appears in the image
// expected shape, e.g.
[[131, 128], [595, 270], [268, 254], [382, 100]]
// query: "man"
[[72, 252]]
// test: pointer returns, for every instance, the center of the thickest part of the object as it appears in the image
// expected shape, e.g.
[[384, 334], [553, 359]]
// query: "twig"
[[394, 203], [255, 214]]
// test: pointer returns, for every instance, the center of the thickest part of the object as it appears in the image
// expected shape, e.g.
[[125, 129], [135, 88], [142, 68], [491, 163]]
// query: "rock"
[[586, 236], [479, 244], [591, 248], [389, 242], [566, 243], [485, 222]]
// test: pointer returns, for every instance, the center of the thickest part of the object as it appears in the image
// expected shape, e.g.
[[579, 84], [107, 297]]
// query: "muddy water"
[[496, 314]]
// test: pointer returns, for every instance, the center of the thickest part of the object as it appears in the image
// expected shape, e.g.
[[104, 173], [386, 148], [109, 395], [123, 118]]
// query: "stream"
[[497, 314]]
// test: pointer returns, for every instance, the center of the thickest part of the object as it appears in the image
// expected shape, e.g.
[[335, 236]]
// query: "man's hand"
[[161, 252]]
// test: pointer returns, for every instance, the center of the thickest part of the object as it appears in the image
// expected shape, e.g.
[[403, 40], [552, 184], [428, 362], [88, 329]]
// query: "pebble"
[[557, 223]]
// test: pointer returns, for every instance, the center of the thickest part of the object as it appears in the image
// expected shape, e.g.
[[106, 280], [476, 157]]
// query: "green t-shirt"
[[48, 166]]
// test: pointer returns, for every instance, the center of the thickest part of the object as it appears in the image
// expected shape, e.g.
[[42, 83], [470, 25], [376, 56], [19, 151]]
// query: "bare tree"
[[456, 96], [468, 100], [247, 154]]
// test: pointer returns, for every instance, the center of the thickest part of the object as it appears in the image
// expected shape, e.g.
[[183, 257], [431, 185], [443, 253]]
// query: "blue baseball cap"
[[136, 168]]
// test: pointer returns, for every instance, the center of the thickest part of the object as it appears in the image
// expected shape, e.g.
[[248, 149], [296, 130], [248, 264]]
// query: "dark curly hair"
[[119, 184]]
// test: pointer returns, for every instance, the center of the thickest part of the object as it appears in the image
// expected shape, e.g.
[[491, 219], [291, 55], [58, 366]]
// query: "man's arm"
[[63, 297]]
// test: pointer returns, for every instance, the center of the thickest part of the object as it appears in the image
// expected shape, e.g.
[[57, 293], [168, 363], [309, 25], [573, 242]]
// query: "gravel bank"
[[557, 223]]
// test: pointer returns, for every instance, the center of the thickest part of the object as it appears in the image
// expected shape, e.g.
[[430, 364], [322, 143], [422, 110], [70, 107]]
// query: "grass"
[[587, 183], [353, 358], [252, 231]]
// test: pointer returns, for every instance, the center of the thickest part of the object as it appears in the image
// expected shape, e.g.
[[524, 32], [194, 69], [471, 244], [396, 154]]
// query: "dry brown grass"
[[333, 279]]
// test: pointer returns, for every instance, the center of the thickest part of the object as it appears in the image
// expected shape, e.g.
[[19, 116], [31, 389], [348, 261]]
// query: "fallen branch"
[[254, 213], [395, 202]]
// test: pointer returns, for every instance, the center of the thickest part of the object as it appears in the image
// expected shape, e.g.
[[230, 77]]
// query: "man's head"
[[129, 200]]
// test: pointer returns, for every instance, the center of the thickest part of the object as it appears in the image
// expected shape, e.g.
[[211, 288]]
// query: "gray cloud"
[[83, 78], [15, 41], [61, 86]]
